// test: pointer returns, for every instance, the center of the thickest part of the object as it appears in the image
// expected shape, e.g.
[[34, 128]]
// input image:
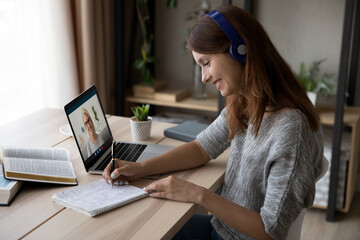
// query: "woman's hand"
[[176, 189], [123, 173]]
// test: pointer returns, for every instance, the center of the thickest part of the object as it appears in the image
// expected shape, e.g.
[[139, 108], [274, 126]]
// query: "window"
[[37, 57]]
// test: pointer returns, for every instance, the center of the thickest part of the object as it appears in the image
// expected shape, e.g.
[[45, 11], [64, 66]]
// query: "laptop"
[[94, 138]]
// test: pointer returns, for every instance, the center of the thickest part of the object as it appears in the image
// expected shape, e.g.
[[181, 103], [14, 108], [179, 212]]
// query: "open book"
[[8, 189], [51, 165], [98, 197]]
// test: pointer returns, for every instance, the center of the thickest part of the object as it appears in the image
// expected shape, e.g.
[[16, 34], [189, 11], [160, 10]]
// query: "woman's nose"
[[205, 76]]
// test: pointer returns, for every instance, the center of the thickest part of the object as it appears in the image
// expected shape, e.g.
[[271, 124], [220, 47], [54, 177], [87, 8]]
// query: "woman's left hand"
[[175, 189]]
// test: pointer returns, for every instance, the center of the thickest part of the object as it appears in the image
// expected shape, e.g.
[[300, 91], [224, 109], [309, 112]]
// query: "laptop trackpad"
[[153, 150], [147, 155]]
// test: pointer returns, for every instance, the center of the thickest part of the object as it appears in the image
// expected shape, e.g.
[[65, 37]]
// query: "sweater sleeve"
[[214, 139], [290, 176]]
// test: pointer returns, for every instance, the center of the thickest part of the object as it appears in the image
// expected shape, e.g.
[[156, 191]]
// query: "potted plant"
[[314, 83], [140, 123]]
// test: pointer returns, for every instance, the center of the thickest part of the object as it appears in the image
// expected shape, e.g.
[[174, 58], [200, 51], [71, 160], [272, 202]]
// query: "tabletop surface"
[[33, 215]]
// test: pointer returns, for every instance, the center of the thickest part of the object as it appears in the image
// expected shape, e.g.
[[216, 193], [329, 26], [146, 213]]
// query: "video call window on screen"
[[88, 122]]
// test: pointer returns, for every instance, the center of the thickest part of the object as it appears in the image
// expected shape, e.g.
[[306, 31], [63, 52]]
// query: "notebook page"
[[97, 197]]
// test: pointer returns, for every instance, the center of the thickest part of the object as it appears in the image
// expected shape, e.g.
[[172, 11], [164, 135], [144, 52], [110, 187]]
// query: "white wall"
[[306, 30]]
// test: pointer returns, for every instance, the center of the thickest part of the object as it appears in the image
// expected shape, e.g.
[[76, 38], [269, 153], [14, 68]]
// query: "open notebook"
[[98, 197]]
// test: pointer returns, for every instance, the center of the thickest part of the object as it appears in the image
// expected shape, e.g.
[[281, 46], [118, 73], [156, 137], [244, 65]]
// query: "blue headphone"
[[237, 48]]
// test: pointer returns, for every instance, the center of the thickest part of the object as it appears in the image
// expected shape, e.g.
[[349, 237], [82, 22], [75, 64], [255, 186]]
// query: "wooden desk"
[[33, 215]]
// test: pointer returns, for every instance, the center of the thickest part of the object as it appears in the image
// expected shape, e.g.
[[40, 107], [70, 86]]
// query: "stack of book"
[[160, 91]]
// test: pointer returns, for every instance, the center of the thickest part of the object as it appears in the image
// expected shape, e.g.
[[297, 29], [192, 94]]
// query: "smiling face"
[[221, 70]]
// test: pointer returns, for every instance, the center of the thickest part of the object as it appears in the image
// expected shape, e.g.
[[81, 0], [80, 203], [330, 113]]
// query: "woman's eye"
[[206, 63]]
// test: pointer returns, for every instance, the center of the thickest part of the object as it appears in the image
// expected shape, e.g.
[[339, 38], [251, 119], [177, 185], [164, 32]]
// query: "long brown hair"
[[267, 79]]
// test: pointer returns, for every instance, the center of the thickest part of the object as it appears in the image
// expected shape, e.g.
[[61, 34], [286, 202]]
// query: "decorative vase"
[[199, 91], [312, 96], [140, 130], [98, 127]]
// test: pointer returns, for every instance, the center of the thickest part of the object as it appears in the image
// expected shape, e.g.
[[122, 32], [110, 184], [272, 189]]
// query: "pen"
[[112, 159]]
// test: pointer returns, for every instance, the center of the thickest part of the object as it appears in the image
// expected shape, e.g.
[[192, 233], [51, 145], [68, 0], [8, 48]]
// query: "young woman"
[[271, 126]]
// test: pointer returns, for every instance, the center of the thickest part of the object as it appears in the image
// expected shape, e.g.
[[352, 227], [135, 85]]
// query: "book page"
[[4, 183], [97, 197], [8, 189], [39, 167], [37, 153]]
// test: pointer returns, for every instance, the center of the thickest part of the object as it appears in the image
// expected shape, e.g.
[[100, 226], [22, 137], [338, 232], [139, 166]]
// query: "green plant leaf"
[[139, 64], [148, 79], [141, 113], [95, 113], [313, 82], [171, 3], [302, 72], [147, 48], [152, 59], [143, 54]]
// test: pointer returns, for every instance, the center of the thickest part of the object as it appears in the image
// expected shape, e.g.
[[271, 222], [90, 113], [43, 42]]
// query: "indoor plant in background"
[[140, 123], [316, 83], [145, 64], [147, 42]]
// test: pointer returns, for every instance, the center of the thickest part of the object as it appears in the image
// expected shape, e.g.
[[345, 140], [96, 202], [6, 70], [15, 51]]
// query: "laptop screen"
[[89, 126]]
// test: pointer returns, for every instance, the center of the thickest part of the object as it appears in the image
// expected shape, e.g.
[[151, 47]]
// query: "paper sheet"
[[98, 197]]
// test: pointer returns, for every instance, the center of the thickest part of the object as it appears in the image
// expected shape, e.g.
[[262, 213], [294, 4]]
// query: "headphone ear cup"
[[241, 49], [238, 52]]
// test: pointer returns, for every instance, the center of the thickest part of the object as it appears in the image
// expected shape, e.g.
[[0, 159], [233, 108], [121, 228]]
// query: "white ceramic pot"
[[312, 96], [140, 130]]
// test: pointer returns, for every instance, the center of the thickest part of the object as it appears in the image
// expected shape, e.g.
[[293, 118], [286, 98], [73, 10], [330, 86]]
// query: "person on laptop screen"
[[270, 124], [95, 140]]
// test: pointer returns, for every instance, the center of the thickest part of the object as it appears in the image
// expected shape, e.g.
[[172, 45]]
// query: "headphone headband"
[[237, 48]]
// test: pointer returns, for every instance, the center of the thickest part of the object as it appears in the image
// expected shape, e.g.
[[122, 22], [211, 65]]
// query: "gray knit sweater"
[[272, 174]]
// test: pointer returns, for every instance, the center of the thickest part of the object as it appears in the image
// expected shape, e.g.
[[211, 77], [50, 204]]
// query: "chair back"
[[295, 229]]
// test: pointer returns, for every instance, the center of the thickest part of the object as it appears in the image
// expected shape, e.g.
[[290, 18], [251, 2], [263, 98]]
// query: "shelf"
[[351, 115], [351, 119], [210, 104]]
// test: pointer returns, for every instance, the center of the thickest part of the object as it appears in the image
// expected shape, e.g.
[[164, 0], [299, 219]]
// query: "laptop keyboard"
[[124, 151]]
